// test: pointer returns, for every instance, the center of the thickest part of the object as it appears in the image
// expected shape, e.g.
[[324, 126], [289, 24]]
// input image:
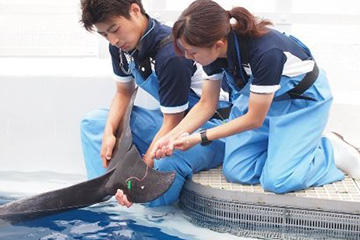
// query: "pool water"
[[109, 220], [101, 221]]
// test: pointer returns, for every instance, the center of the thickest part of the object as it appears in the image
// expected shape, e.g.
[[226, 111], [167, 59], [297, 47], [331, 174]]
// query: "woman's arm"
[[202, 111], [259, 105]]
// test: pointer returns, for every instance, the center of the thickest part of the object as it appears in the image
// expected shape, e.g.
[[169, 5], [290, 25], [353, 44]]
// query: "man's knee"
[[173, 163], [93, 119]]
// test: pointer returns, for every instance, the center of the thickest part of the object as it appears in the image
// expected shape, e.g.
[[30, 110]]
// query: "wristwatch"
[[204, 140]]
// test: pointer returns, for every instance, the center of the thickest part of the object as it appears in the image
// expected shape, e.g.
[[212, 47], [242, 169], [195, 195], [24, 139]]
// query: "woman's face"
[[202, 55]]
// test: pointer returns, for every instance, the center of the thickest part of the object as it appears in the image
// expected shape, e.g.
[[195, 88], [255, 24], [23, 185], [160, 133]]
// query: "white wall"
[[40, 113]]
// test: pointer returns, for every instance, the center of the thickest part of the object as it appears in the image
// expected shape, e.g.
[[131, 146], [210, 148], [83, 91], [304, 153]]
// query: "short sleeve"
[[267, 71], [174, 84]]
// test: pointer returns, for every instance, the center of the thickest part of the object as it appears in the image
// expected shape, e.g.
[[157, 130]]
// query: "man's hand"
[[107, 147], [122, 199], [163, 147], [149, 161]]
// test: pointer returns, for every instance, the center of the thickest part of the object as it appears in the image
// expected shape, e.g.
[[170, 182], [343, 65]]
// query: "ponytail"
[[205, 22], [247, 24]]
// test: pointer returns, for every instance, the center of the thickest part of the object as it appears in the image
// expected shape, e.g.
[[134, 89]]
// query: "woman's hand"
[[107, 147], [186, 141]]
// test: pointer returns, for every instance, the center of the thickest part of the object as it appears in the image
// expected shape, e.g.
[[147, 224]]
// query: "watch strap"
[[204, 140]]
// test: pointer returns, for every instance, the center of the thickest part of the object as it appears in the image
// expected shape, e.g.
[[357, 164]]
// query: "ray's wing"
[[127, 171]]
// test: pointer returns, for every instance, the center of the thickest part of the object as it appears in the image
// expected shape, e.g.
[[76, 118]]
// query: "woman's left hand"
[[187, 141]]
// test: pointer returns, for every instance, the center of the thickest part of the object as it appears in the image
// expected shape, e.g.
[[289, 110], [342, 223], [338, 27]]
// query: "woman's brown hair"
[[204, 22]]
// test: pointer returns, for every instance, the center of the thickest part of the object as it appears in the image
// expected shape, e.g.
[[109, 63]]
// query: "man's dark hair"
[[95, 11]]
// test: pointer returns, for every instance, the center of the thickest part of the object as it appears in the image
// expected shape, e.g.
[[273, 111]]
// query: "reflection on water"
[[106, 220], [101, 221]]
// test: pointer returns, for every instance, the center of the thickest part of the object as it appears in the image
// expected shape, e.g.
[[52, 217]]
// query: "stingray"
[[127, 171]]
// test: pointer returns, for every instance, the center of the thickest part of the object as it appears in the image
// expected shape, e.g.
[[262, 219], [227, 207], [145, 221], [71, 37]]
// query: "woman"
[[281, 102]]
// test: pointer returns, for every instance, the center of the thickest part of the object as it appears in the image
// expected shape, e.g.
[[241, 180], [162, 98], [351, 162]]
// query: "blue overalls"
[[288, 152], [144, 125]]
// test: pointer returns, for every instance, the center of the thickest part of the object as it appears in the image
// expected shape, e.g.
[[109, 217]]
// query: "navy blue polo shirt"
[[177, 75], [267, 59]]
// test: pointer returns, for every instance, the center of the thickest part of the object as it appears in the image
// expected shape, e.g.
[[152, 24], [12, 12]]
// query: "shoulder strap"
[[145, 66], [167, 39]]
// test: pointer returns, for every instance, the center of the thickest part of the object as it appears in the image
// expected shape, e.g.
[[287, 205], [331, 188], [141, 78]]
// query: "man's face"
[[122, 32]]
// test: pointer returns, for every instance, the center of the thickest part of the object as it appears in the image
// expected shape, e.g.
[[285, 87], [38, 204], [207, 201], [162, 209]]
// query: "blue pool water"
[[107, 220], [95, 222], [110, 221]]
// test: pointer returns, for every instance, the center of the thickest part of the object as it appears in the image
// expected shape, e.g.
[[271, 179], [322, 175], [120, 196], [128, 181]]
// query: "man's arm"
[[170, 122], [175, 75], [117, 110], [198, 115]]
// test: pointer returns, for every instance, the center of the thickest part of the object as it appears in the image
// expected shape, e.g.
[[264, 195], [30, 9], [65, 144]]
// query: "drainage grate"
[[328, 212]]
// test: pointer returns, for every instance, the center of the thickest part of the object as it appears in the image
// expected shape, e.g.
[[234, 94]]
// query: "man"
[[136, 43]]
